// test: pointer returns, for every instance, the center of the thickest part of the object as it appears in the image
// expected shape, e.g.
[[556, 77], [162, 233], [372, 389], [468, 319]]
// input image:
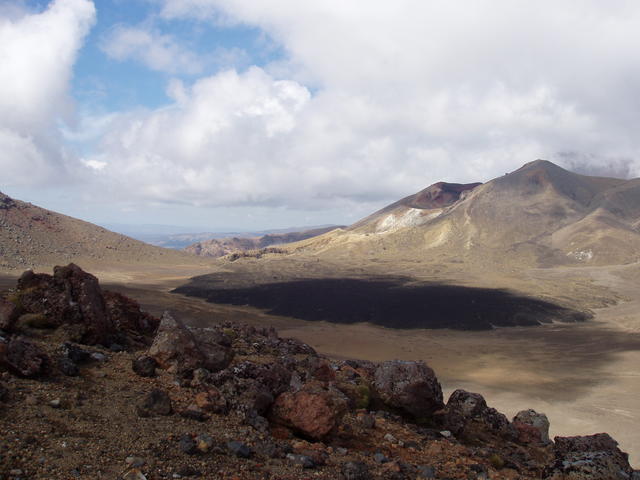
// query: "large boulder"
[[531, 427], [175, 347], [467, 415], [23, 357], [313, 412], [409, 387], [592, 457], [73, 297]]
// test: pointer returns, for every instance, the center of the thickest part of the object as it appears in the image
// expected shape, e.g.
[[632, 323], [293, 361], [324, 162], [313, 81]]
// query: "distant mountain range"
[[218, 247], [538, 215]]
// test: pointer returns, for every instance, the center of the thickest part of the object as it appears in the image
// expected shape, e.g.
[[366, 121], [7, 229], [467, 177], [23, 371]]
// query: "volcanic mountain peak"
[[538, 215], [439, 195]]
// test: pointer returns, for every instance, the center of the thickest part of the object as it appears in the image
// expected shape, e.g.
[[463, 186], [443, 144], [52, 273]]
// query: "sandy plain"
[[584, 376]]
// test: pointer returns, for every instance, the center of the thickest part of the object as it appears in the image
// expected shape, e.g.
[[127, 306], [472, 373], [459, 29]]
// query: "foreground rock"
[[592, 457], [409, 387], [73, 297], [176, 347], [23, 357], [313, 412], [467, 415]]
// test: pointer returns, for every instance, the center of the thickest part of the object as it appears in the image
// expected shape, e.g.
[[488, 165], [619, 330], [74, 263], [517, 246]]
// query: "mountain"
[[219, 247], [31, 236], [538, 215]]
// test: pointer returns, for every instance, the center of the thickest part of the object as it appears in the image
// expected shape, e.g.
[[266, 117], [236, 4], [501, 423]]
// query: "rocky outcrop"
[[467, 415], [592, 457], [74, 298], [175, 347], [313, 412], [408, 387], [252, 405]]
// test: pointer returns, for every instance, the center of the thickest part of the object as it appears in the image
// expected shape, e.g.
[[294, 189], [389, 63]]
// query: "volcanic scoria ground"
[[92, 387]]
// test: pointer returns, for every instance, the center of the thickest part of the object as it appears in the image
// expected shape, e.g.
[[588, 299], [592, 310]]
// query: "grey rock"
[[426, 472], [157, 402], [188, 445], [539, 421], [303, 460], [68, 367], [379, 457], [409, 387], [356, 471], [239, 449], [144, 366]]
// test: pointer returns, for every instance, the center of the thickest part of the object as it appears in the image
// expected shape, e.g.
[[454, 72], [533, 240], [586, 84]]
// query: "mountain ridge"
[[34, 237]]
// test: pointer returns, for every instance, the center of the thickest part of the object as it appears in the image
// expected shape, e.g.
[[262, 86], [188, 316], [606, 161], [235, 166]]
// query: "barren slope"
[[31, 236]]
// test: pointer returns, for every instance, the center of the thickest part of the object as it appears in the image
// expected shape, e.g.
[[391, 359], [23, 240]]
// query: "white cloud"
[[37, 52], [155, 50], [406, 93]]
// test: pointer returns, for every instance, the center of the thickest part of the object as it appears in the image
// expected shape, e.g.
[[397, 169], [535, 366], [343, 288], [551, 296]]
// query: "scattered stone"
[[426, 472], [390, 438], [356, 471], [134, 474], [368, 421], [68, 367], [144, 366], [211, 401], [303, 460], [239, 449], [98, 357], [410, 387], [446, 434], [258, 422], [135, 462], [56, 403], [75, 353], [200, 377], [157, 402], [192, 412], [379, 457], [204, 442], [188, 445], [341, 451], [188, 471]]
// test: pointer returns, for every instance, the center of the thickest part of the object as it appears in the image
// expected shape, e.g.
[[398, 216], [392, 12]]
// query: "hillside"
[[31, 236], [538, 215], [219, 247], [93, 387]]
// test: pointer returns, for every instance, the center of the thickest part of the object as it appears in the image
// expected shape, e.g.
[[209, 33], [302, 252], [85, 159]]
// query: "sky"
[[229, 115]]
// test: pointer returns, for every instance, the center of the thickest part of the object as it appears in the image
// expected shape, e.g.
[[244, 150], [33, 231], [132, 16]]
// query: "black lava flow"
[[388, 303]]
